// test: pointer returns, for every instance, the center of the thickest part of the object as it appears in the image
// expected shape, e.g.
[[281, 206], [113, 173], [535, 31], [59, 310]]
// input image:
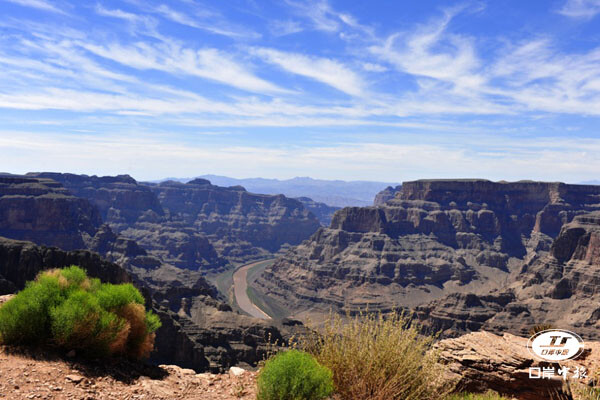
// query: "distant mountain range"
[[334, 193]]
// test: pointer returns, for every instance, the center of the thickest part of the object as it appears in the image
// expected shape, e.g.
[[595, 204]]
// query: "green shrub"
[[25, 318], [294, 375], [68, 309], [113, 297], [81, 323], [377, 357]]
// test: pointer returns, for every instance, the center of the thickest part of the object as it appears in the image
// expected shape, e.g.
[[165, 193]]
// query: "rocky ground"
[[38, 375], [482, 361]]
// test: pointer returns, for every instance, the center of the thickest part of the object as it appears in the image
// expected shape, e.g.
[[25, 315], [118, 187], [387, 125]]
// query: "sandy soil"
[[28, 374]]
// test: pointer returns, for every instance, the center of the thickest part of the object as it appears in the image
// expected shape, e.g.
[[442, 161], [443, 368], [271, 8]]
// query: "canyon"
[[163, 238], [460, 255]]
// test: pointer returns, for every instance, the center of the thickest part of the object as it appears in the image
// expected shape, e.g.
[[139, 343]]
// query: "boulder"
[[482, 361]]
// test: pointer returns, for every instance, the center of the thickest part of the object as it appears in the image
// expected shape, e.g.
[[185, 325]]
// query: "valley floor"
[[39, 376]]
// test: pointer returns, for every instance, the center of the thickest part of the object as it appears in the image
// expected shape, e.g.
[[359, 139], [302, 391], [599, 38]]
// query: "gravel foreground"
[[38, 375]]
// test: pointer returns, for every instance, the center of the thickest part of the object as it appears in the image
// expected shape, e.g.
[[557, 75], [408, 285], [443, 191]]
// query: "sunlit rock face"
[[456, 251]]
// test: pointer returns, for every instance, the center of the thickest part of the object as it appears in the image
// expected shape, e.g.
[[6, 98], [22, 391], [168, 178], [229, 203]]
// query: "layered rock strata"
[[195, 225], [465, 255], [43, 211], [199, 329]]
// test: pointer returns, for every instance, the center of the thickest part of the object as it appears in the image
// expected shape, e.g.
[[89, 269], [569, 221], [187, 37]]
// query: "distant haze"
[[332, 192]]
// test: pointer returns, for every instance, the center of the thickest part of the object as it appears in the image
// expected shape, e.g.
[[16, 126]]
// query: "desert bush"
[[80, 323], [25, 319], [294, 375], [539, 328], [477, 396], [376, 357], [584, 392], [64, 307]]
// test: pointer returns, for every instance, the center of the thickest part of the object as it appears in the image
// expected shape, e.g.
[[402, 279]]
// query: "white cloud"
[[152, 156], [535, 74], [117, 13], [319, 13], [39, 4], [218, 27], [323, 17], [433, 53], [283, 28], [325, 70], [580, 8], [138, 23], [372, 67], [170, 57]]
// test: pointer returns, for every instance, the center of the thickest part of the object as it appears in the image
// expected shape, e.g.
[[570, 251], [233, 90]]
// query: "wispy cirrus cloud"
[[451, 76], [207, 63], [319, 13], [214, 25], [324, 70], [421, 54], [580, 8], [283, 28], [39, 4]]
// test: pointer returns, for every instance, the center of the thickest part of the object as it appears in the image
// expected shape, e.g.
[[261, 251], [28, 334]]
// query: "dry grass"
[[118, 343], [138, 342], [539, 328], [377, 357], [490, 395], [583, 392]]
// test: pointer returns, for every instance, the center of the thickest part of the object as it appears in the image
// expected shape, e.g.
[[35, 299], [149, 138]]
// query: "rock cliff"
[[195, 225], [558, 287], [43, 211], [386, 194], [239, 225], [322, 211], [199, 329], [464, 254], [21, 261]]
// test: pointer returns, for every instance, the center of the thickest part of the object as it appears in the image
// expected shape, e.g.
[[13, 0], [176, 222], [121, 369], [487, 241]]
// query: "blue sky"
[[377, 90]]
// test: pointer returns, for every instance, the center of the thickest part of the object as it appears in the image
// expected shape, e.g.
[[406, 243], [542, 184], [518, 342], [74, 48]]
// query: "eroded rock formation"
[[322, 211], [199, 330], [482, 361], [43, 211], [386, 194], [465, 255], [195, 225]]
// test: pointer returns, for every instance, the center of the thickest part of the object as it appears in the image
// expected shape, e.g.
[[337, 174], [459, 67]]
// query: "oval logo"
[[555, 345]]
